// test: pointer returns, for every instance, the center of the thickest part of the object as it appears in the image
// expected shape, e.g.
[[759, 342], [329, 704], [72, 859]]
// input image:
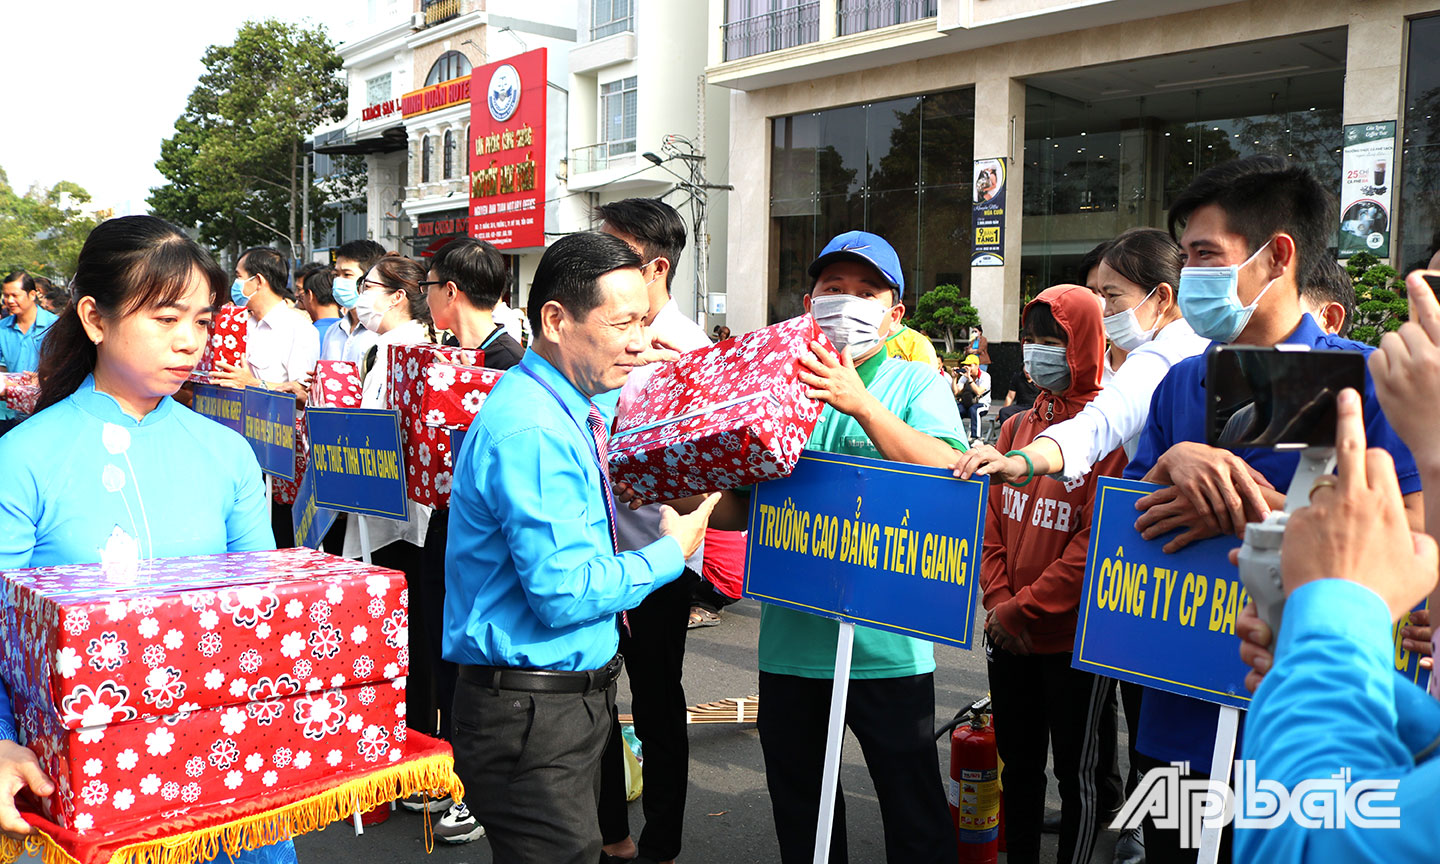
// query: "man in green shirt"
[[884, 408]]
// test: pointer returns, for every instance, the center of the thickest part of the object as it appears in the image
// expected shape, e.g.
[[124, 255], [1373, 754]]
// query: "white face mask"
[[1123, 327], [851, 321], [1047, 366], [365, 310]]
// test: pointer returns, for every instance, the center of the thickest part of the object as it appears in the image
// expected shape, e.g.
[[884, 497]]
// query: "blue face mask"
[[346, 291], [237, 291], [1210, 300]]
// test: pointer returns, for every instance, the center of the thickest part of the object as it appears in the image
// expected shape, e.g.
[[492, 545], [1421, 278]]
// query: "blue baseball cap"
[[862, 246]]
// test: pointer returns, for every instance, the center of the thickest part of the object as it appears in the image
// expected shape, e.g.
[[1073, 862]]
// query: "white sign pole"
[[834, 739], [364, 536], [269, 488], [1220, 762]]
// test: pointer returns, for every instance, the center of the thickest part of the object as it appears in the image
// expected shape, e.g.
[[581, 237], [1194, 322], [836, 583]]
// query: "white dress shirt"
[[357, 344], [1117, 416], [636, 529], [510, 319], [283, 346]]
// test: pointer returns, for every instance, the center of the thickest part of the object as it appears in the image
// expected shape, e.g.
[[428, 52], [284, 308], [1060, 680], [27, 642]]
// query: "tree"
[[42, 231], [1380, 302], [943, 312], [234, 164]]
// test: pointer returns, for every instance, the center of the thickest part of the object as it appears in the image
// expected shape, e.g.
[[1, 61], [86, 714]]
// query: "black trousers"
[[894, 721], [530, 763], [707, 597], [1162, 845], [427, 616], [282, 525], [1040, 700], [1110, 798], [654, 652]]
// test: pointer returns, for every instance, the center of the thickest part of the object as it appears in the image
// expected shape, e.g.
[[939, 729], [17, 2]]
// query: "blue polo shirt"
[[1174, 728], [20, 352]]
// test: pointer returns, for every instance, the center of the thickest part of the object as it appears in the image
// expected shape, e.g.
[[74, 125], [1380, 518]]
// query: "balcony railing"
[[857, 16], [437, 11], [595, 157], [772, 31]]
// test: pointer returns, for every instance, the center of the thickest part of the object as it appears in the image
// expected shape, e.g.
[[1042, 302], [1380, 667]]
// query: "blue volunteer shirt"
[[531, 576], [20, 352], [1335, 661], [323, 325], [1174, 728]]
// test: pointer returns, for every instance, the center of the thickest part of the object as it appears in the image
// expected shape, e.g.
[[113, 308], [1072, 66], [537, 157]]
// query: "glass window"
[[449, 154], [1419, 203], [377, 89], [1097, 164], [617, 113], [609, 17], [427, 156], [451, 65], [857, 16], [865, 166]]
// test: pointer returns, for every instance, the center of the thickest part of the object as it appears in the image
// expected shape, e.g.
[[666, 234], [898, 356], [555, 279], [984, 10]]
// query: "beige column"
[[1000, 131], [1375, 77], [829, 19]]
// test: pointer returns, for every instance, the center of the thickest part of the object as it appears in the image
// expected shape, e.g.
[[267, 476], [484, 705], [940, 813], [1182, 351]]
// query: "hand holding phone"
[[1277, 398]]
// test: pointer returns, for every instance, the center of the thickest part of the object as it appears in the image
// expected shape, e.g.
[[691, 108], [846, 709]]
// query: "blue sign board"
[[357, 461], [881, 544], [221, 404], [310, 521], [270, 429], [1166, 621]]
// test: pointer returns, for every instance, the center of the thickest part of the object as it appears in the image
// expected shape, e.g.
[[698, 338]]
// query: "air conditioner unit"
[[417, 21]]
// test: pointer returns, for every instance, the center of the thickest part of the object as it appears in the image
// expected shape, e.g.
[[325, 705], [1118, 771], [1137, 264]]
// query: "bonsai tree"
[[1380, 302], [944, 313]]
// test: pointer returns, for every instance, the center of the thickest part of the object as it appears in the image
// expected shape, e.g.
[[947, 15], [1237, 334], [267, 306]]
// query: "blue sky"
[[94, 85]]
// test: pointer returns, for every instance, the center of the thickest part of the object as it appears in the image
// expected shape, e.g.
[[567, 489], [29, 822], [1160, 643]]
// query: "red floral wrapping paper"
[[286, 491], [129, 681], [453, 394], [427, 449], [229, 340], [22, 391], [720, 417], [335, 384]]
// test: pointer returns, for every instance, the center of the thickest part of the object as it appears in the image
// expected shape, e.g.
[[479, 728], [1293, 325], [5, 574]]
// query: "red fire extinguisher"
[[975, 790]]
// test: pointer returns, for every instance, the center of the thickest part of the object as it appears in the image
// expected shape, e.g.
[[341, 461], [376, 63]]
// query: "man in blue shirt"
[[1261, 226], [1351, 568], [21, 332], [533, 582]]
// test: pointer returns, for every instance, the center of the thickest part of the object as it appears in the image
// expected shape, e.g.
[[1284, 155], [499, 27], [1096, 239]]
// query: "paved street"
[[728, 812]]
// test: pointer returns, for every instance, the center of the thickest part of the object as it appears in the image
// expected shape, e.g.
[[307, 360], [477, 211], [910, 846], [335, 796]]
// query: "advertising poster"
[[877, 543], [507, 151], [988, 249], [1365, 187]]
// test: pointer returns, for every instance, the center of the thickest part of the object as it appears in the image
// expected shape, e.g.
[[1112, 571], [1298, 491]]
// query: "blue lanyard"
[[595, 448]]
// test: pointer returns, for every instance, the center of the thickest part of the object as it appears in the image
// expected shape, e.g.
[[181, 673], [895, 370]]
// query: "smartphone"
[[1280, 398]]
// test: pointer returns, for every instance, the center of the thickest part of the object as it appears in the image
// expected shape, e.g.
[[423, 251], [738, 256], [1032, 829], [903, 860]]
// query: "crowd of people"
[[540, 581]]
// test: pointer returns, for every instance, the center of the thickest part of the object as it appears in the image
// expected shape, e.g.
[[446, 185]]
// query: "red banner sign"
[[380, 109], [435, 97], [507, 151]]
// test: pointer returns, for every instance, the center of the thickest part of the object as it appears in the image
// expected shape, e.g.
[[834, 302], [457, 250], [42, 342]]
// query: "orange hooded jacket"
[[1037, 536]]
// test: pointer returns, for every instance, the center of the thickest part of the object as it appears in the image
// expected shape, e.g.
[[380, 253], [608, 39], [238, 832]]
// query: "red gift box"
[[427, 463], [720, 417], [22, 391], [215, 671], [229, 340], [335, 384], [453, 394], [411, 376]]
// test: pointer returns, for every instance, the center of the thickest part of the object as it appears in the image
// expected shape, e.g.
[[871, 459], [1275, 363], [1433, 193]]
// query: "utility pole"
[[698, 189]]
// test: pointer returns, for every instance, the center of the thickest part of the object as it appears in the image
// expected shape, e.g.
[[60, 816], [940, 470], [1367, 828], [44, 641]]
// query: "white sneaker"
[[458, 826], [419, 801]]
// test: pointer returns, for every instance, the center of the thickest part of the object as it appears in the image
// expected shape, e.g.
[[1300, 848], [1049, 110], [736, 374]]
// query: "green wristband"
[[1028, 464]]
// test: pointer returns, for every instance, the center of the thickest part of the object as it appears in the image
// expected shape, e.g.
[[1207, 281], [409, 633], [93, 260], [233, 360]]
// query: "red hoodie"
[[1037, 536]]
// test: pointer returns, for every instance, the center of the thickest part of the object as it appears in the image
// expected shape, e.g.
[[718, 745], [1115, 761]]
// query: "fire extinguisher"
[[975, 787]]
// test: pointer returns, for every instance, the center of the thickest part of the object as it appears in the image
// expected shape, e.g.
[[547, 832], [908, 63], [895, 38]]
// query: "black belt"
[[543, 680]]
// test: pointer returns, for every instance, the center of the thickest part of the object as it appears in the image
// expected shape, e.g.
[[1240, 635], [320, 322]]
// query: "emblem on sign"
[[504, 94]]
